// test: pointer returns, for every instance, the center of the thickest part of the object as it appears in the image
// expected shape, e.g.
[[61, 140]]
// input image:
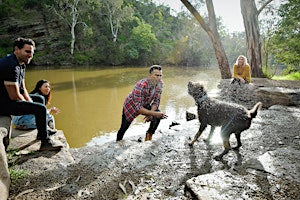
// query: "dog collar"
[[200, 100]]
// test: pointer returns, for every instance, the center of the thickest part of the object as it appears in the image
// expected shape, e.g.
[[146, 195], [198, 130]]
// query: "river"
[[91, 99]]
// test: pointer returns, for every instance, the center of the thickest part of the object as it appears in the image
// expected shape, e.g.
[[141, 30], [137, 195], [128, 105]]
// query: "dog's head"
[[196, 90]]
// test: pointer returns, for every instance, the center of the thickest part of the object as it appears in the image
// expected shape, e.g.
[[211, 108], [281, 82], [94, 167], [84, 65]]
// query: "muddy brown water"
[[91, 99]]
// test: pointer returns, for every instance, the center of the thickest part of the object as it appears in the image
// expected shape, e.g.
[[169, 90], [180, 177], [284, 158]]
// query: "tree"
[[286, 40], [68, 10], [140, 42], [250, 18], [211, 30], [116, 13]]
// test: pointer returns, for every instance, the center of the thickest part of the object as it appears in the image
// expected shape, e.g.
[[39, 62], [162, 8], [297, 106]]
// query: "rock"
[[271, 167], [5, 127], [191, 113], [278, 96], [269, 92]]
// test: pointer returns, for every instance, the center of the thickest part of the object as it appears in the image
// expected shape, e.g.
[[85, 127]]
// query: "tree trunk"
[[250, 18], [213, 35], [73, 25]]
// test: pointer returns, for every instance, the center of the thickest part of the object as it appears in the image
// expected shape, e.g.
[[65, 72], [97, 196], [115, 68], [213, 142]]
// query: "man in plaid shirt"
[[144, 99]]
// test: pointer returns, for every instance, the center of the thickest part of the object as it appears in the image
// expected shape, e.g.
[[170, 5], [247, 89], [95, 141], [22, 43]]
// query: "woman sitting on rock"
[[41, 93], [241, 71]]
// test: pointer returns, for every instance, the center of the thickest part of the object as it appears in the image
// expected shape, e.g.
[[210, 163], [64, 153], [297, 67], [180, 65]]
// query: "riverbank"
[[266, 167]]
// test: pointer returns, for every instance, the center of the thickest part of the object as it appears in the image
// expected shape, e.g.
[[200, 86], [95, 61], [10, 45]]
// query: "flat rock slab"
[[279, 170], [24, 143], [269, 92]]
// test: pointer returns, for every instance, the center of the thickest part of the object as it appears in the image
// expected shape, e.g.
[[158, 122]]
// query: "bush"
[[290, 70]]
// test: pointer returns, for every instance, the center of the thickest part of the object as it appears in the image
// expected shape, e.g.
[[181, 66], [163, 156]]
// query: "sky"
[[229, 10]]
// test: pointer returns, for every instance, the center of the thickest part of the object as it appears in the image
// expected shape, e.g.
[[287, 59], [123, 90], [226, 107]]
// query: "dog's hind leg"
[[212, 129], [225, 133], [227, 147], [238, 139], [201, 129]]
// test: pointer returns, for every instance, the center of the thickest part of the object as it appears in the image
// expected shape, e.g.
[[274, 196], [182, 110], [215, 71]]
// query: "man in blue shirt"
[[14, 97]]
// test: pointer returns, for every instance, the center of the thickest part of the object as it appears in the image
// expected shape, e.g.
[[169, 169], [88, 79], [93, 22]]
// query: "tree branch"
[[263, 6], [196, 14]]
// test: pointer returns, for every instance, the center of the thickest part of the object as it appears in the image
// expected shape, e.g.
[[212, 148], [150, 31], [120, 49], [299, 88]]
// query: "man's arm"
[[149, 113], [26, 94], [13, 92]]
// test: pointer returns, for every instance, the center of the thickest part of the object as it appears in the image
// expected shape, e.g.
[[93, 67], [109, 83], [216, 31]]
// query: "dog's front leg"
[[212, 129], [201, 129]]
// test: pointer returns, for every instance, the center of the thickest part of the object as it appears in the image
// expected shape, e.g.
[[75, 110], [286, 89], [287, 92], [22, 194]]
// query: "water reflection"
[[91, 100]]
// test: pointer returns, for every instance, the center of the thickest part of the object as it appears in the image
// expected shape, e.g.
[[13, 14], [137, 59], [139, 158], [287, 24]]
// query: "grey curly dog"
[[232, 118]]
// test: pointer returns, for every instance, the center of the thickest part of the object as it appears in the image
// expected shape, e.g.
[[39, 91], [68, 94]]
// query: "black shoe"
[[51, 145], [51, 131]]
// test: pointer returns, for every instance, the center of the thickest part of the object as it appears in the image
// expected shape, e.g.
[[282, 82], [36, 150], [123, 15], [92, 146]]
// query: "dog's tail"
[[254, 110]]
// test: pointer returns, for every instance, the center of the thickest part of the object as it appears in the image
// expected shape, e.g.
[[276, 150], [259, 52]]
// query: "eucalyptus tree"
[[71, 12], [116, 12], [250, 17], [211, 30]]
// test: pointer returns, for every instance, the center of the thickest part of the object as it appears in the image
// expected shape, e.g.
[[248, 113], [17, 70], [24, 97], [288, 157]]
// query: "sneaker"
[[51, 145], [51, 131]]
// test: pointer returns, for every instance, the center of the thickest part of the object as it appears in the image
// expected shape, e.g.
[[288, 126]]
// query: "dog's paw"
[[235, 148], [206, 140], [218, 158]]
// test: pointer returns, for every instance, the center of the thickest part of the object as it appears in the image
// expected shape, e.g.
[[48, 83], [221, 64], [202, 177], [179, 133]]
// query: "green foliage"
[[5, 9], [290, 70], [5, 47], [17, 174], [142, 37], [292, 76], [81, 58], [147, 33], [285, 44]]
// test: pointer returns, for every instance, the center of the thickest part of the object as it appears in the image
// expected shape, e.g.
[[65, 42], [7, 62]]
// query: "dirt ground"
[[160, 169]]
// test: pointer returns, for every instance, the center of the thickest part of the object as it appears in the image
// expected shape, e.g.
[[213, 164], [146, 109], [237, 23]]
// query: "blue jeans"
[[125, 125]]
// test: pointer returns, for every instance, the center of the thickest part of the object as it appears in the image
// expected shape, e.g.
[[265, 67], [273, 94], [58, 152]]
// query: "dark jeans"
[[37, 98], [125, 125], [24, 108]]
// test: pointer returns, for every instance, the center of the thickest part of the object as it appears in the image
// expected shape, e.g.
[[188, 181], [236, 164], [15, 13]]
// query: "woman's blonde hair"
[[245, 60]]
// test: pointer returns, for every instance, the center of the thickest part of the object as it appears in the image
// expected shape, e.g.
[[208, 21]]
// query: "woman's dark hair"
[[20, 42], [37, 89]]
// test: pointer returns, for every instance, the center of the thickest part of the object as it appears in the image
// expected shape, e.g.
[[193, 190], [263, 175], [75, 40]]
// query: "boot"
[[148, 136]]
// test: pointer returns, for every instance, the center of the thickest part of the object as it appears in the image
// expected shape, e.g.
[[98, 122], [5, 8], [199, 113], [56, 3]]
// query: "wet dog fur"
[[232, 118]]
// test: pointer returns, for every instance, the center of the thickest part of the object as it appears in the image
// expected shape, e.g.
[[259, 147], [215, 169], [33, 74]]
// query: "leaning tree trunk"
[[250, 18], [213, 35]]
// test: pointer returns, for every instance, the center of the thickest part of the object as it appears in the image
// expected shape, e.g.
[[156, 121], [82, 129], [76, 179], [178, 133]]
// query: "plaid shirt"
[[143, 94]]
